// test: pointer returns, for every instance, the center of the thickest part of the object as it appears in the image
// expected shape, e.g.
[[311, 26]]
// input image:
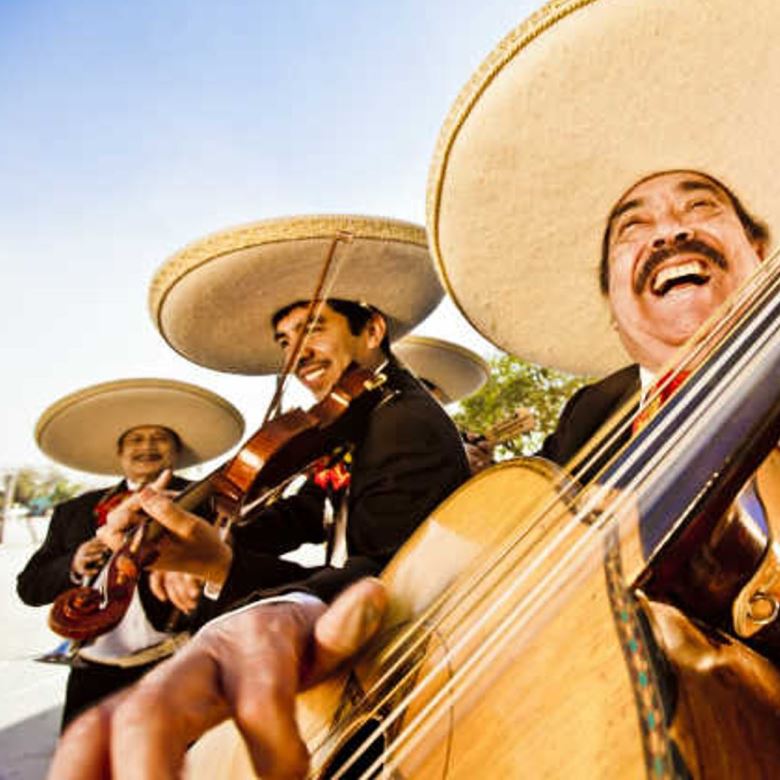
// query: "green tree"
[[515, 383], [39, 489]]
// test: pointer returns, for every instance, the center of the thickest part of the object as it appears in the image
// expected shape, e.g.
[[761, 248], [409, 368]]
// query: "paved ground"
[[32, 692]]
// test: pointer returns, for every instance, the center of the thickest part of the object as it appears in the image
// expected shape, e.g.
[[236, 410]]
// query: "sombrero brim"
[[574, 107], [456, 371], [213, 301], [82, 429]]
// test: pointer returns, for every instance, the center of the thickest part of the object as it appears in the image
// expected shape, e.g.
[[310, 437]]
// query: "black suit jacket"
[[409, 458], [47, 573], [585, 412]]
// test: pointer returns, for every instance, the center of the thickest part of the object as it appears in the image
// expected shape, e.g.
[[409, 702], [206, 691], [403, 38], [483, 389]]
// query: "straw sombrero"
[[213, 301], [81, 430], [456, 371], [572, 108]]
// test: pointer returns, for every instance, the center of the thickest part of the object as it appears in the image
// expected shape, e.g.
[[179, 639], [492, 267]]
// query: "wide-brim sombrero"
[[456, 371], [82, 429], [574, 107], [213, 301]]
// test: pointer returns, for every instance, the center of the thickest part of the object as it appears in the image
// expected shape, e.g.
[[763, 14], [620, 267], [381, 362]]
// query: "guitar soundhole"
[[369, 742]]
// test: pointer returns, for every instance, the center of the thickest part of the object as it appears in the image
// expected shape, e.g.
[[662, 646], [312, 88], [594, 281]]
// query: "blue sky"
[[130, 129]]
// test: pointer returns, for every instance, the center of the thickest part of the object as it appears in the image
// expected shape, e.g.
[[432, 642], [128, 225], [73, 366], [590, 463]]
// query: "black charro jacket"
[[586, 411], [408, 459]]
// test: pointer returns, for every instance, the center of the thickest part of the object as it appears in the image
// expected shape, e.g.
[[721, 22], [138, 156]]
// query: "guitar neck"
[[520, 422]]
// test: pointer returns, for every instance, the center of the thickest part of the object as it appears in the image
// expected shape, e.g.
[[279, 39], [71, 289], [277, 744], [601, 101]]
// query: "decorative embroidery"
[[659, 749], [333, 472]]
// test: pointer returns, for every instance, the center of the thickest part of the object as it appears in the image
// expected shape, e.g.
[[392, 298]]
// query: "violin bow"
[[317, 300]]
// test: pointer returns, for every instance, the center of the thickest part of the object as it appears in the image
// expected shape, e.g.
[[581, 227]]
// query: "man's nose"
[[672, 237], [305, 354]]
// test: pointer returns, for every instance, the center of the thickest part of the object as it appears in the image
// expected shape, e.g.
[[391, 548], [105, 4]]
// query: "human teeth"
[[666, 275], [314, 373]]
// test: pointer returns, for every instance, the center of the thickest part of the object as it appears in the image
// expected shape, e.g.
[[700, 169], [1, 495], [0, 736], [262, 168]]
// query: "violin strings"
[[578, 520], [324, 285], [271, 494]]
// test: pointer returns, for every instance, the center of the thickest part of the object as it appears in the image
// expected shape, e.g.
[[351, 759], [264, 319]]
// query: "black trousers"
[[89, 684]]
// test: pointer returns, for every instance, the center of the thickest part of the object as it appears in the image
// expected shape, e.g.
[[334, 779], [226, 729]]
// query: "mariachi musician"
[[626, 230], [135, 428], [389, 473], [451, 373]]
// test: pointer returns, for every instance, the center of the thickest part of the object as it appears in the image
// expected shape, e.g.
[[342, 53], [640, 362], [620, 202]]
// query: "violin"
[[281, 449]]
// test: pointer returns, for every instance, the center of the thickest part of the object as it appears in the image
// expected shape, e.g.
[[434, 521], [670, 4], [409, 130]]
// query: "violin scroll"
[[85, 612]]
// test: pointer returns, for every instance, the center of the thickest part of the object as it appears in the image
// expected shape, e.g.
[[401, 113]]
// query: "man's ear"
[[376, 328]]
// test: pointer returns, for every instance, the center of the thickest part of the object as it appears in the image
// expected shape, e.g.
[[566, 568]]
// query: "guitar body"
[[490, 663]]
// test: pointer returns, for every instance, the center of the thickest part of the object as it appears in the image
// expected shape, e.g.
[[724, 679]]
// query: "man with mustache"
[[104, 429], [623, 131], [394, 465], [400, 463], [676, 246]]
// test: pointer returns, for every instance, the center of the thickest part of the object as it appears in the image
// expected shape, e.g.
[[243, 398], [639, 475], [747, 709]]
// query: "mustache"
[[305, 363], [688, 246]]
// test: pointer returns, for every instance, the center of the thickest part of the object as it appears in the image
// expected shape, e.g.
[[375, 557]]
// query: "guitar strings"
[[491, 562], [541, 594], [520, 616], [576, 523]]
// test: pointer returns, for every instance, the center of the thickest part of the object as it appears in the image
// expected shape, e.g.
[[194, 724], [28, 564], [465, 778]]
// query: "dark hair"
[[756, 230], [175, 436], [357, 315]]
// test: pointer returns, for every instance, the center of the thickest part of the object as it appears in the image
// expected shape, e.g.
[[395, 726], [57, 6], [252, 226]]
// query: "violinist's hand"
[[89, 557], [127, 514], [192, 546], [249, 666], [182, 590]]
